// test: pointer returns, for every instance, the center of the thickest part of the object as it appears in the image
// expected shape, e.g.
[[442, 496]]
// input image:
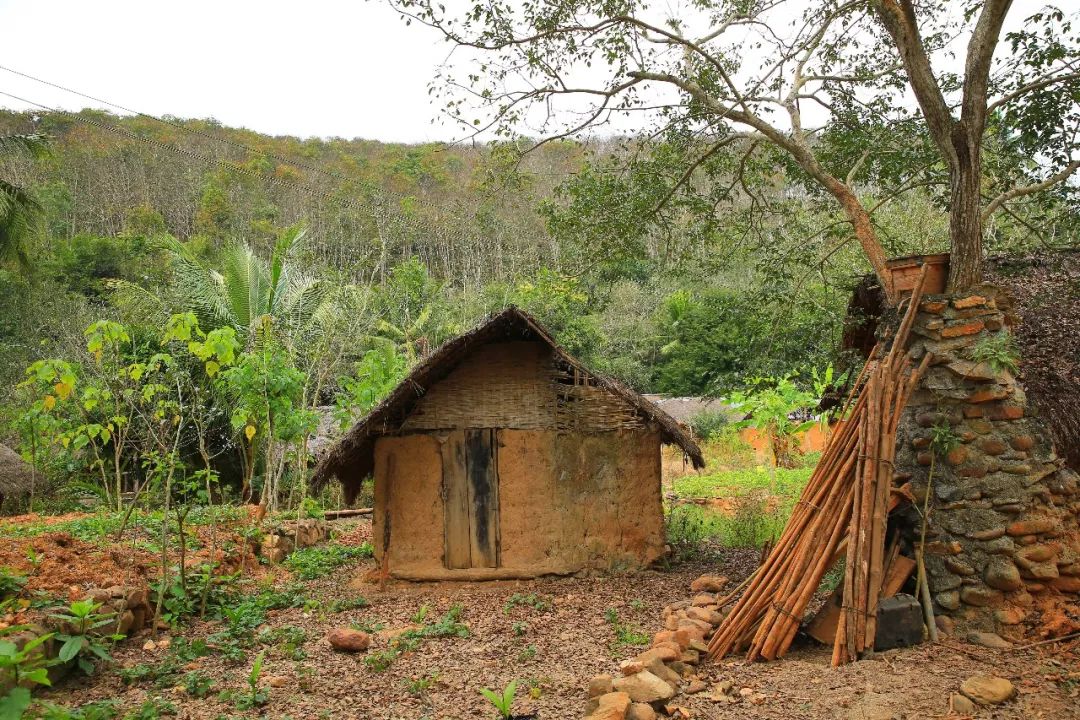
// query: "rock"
[[965, 328], [149, 646], [630, 667], [600, 685], [663, 653], [987, 689], [695, 687], [349, 640], [1010, 616], [276, 681], [125, 622], [950, 600], [662, 671], [961, 705], [1001, 573], [945, 624], [164, 643], [641, 711], [980, 596], [1066, 583], [703, 599], [709, 616], [969, 302], [610, 706], [709, 583], [1023, 443], [644, 687], [989, 640]]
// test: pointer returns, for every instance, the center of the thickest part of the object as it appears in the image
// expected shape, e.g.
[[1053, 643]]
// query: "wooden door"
[[471, 499]]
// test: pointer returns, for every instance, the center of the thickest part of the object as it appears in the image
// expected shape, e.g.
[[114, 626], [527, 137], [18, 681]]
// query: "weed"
[[519, 628], [368, 626], [531, 600], [152, 709], [420, 614], [637, 604], [421, 685], [709, 424], [315, 562], [998, 350], [624, 634], [446, 626], [254, 697], [11, 582], [686, 532], [197, 684], [289, 641], [100, 710], [503, 701], [527, 653], [943, 439], [83, 643], [350, 604]]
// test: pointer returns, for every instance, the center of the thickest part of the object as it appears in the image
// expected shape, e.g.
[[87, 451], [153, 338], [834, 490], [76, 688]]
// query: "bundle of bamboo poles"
[[846, 498]]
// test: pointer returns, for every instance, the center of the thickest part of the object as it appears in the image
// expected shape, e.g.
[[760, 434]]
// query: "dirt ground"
[[557, 650]]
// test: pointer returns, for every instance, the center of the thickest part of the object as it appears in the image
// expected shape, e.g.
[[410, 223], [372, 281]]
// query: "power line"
[[181, 126]]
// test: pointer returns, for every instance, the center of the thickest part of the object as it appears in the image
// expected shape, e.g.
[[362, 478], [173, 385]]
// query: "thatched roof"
[[685, 409], [351, 458], [16, 476]]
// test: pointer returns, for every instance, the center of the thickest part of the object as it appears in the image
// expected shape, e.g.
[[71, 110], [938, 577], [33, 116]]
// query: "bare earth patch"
[[556, 649]]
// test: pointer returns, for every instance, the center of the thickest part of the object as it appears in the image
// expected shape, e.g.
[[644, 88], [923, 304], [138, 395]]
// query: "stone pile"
[[279, 542], [652, 680], [129, 606], [1004, 527]]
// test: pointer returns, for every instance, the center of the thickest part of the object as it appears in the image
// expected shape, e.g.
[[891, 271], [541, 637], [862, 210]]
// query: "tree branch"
[[1021, 190]]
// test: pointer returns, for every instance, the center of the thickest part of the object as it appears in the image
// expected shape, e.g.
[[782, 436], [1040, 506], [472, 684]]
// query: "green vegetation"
[[625, 635], [998, 350], [83, 640], [319, 560], [502, 701]]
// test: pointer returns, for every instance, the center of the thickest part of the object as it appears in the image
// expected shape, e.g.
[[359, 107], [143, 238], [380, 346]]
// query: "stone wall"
[[1003, 534]]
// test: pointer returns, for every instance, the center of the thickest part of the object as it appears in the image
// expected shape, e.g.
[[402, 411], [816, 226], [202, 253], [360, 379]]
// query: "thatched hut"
[[501, 456], [16, 476]]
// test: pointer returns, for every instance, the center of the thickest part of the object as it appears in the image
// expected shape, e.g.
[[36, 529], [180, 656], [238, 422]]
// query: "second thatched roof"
[[16, 475]]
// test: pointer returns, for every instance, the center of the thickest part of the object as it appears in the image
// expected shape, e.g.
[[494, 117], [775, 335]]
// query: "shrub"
[[315, 562], [709, 424], [998, 350]]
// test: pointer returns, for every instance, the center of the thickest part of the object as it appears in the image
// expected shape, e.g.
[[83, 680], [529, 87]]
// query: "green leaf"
[[71, 648], [14, 705]]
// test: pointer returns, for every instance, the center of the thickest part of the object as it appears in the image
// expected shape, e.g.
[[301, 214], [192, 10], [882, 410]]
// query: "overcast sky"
[[316, 68]]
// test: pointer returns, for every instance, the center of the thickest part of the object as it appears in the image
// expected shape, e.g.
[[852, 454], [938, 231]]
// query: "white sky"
[[323, 68], [316, 68]]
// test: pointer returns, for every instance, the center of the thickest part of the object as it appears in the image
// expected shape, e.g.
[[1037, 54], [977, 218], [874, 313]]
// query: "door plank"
[[482, 467], [458, 543]]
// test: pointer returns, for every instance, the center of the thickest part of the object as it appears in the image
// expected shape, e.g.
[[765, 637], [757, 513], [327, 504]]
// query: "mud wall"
[[1003, 543], [568, 502]]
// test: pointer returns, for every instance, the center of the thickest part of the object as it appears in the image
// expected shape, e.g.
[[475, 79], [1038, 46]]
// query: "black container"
[[899, 623]]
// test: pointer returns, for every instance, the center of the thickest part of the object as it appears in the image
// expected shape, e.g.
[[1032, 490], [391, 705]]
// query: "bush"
[[709, 424], [315, 562]]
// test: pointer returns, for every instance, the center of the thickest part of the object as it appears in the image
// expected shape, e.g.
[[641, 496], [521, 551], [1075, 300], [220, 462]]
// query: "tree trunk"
[[965, 221], [864, 233]]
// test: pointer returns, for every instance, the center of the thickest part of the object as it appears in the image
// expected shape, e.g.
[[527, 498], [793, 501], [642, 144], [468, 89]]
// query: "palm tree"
[[250, 294], [19, 212]]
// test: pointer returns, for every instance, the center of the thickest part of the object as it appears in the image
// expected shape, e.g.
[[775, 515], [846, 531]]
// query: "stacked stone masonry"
[[1004, 527]]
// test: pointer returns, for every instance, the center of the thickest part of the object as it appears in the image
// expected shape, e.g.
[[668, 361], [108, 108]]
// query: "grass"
[[756, 501]]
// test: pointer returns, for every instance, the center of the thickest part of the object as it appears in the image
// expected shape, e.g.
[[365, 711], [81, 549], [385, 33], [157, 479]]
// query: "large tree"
[[893, 95]]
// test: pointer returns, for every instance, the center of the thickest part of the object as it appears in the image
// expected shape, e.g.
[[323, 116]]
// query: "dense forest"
[[357, 257]]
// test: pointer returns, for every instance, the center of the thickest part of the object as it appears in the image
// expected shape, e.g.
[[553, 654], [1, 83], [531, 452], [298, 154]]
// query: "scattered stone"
[[644, 687], [950, 600], [349, 640], [961, 705], [703, 599], [276, 681], [709, 583], [711, 617], [149, 646], [988, 640], [695, 687], [1010, 616], [987, 689], [663, 653], [600, 685], [641, 711], [630, 667], [610, 706]]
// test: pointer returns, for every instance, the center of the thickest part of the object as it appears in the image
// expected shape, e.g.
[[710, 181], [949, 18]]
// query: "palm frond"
[[20, 216], [302, 301], [247, 285], [202, 289]]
